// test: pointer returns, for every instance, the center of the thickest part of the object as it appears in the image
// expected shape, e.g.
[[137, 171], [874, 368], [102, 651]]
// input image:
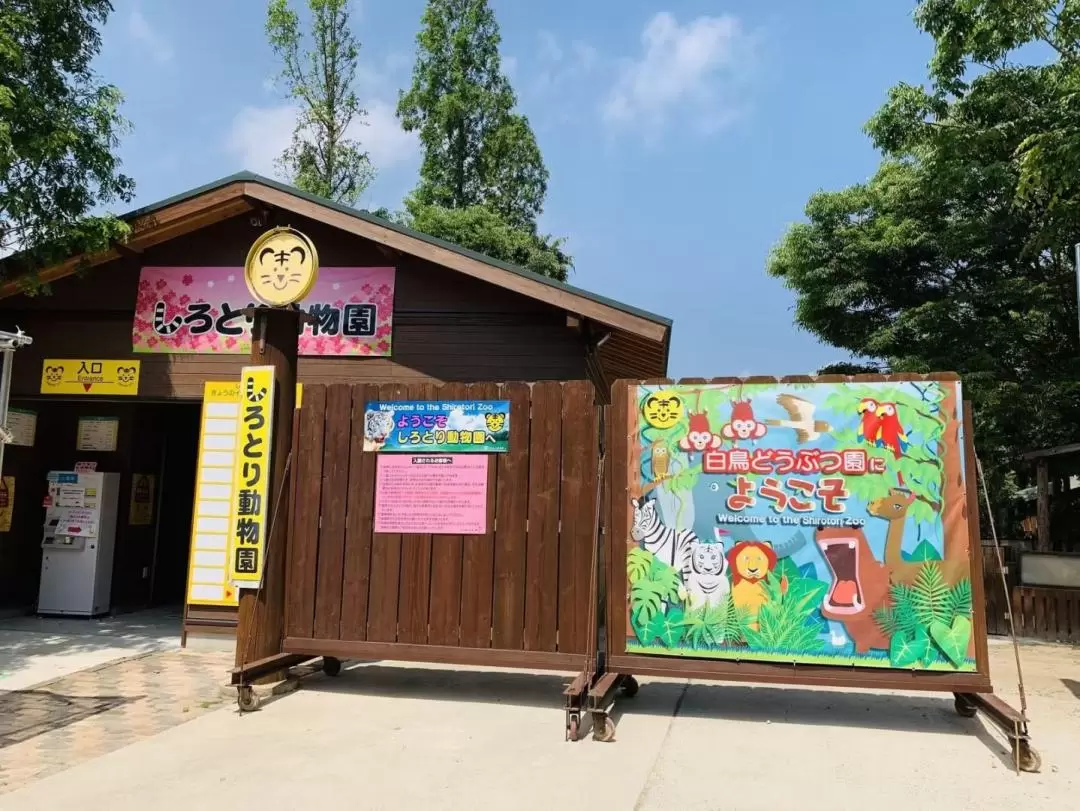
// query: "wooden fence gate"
[[518, 596]]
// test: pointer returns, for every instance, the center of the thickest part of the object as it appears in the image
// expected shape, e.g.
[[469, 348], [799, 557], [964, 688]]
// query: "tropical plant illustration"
[[926, 619]]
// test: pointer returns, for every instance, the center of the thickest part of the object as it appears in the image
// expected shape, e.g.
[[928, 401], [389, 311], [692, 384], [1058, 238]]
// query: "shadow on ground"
[[25, 714]]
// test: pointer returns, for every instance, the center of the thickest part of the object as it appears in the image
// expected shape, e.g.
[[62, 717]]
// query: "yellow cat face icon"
[[281, 267], [495, 421]]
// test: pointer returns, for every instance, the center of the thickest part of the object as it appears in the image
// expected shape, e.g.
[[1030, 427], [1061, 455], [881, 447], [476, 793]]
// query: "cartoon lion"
[[750, 563]]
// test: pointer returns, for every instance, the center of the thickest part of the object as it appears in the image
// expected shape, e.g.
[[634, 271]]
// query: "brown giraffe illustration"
[[894, 509]]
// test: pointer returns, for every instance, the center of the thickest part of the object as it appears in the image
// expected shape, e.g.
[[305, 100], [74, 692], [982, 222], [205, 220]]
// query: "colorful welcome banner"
[[816, 523], [200, 309]]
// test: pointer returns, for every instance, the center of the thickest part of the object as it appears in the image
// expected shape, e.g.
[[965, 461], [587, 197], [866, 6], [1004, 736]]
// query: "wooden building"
[[456, 316]]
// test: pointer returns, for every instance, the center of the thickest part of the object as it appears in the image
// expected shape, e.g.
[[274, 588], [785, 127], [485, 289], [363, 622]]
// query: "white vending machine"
[[77, 546]]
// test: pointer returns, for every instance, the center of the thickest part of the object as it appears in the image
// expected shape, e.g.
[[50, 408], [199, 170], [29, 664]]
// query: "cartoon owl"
[[659, 460], [495, 421]]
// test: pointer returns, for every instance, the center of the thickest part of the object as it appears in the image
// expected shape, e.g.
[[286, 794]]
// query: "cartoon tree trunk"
[[957, 543]]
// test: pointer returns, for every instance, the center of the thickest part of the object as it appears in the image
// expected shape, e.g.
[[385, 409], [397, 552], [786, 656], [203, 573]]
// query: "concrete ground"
[[388, 737], [38, 649]]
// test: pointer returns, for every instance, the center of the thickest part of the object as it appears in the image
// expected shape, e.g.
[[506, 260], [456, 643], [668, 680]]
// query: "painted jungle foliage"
[[818, 523]]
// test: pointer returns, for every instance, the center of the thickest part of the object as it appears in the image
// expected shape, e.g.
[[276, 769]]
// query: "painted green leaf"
[[905, 651], [952, 640], [785, 566], [668, 629], [930, 595], [960, 599], [923, 552], [638, 563]]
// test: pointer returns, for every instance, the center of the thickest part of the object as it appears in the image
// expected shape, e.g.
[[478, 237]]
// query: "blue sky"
[[682, 137]]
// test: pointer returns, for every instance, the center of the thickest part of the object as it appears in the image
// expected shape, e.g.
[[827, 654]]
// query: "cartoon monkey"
[[700, 436], [743, 424]]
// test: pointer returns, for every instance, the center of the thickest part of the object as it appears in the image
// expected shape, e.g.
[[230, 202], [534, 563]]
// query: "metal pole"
[[5, 391]]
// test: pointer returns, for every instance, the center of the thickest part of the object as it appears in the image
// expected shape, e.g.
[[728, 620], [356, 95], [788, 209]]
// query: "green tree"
[[59, 131], [322, 159], [482, 177], [938, 262]]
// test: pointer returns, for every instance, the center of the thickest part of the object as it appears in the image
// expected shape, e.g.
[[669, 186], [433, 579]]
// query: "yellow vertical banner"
[[251, 477], [7, 502]]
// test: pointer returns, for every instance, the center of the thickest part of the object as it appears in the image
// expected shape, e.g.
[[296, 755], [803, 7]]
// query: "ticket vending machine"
[[77, 543]]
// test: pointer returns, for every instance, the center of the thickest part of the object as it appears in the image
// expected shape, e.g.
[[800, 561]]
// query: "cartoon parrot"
[[870, 425], [890, 432]]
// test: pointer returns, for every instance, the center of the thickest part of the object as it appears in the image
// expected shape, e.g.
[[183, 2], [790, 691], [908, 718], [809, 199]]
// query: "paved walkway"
[[81, 716], [388, 737]]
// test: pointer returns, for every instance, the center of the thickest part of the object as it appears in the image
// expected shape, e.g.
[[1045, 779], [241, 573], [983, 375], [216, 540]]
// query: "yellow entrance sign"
[[281, 267], [251, 477], [79, 376]]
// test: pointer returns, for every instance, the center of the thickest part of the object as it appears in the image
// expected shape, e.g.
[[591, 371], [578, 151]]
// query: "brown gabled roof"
[[639, 341]]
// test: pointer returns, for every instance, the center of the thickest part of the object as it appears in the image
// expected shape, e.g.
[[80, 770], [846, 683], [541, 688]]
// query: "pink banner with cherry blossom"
[[200, 309]]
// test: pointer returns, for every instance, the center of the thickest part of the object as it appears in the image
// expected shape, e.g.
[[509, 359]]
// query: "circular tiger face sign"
[[281, 267]]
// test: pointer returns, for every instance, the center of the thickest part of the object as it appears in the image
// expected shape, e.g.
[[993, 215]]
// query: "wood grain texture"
[[304, 543], [359, 523], [415, 585], [512, 506], [335, 480]]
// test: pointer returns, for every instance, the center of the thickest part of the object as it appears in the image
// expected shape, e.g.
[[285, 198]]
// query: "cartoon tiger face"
[[707, 558], [377, 427], [54, 375], [495, 421], [125, 375]]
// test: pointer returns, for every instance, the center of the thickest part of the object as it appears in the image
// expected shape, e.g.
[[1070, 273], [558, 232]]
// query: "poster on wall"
[[98, 434], [22, 424], [423, 495], [7, 502], [86, 376], [476, 426], [201, 310], [251, 477], [811, 523], [141, 507]]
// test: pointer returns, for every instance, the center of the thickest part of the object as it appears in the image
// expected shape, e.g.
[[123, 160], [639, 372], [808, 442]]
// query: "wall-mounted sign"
[[141, 508], [201, 310], [421, 495], [78, 376], [98, 434], [7, 502], [23, 426], [86, 467], [251, 477], [479, 426], [281, 267]]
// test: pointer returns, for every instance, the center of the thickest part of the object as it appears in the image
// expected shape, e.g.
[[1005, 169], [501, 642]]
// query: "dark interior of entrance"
[[154, 439]]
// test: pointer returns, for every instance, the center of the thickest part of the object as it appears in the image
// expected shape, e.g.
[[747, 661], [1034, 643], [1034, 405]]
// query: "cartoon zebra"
[[160, 325], [672, 546]]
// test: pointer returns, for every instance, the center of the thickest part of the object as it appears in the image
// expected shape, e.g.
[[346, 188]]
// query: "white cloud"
[[258, 136], [148, 38], [680, 71]]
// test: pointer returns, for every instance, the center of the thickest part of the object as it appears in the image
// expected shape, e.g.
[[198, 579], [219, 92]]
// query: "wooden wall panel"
[[303, 552], [335, 482], [359, 523], [512, 512], [542, 544], [415, 584]]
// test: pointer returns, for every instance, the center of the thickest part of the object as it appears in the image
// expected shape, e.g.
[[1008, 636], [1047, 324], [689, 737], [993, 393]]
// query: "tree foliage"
[[323, 158], [482, 177], [59, 131], [955, 255]]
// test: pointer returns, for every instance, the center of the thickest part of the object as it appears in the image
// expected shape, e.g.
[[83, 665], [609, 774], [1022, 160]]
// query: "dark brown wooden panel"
[[304, 541], [444, 602], [477, 556], [618, 524], [542, 546], [359, 523], [385, 563], [335, 480], [512, 512], [415, 565], [577, 511]]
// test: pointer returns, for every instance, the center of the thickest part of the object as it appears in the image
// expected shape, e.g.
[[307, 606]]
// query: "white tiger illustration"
[[705, 580], [377, 427]]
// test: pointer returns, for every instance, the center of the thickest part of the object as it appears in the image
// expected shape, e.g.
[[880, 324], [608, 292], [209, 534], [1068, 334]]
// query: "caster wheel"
[[603, 729], [573, 728], [964, 708], [331, 666], [630, 687], [247, 699], [1030, 759]]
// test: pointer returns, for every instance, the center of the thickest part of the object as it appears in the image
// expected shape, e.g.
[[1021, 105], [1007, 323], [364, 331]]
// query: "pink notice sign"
[[200, 309], [425, 495]]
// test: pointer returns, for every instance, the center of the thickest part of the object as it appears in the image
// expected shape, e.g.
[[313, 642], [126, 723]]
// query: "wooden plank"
[[335, 480], [444, 600], [415, 585], [304, 543], [1042, 504], [1039, 605], [577, 504], [542, 552], [477, 557], [978, 642], [385, 563], [617, 535], [512, 512], [359, 522], [441, 654]]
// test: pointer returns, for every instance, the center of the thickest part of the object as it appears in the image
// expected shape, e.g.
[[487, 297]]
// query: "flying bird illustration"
[[890, 432], [870, 425], [802, 421]]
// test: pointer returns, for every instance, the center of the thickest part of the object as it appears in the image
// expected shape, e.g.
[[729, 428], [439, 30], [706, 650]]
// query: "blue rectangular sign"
[[471, 426]]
